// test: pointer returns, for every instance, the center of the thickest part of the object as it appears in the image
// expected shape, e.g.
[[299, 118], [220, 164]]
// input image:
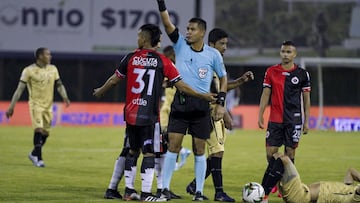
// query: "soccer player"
[[40, 79], [287, 86], [119, 166], [218, 39], [144, 70], [283, 171], [196, 62]]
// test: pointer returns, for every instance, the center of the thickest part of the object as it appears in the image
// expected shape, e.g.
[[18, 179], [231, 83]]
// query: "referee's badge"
[[202, 72], [295, 80]]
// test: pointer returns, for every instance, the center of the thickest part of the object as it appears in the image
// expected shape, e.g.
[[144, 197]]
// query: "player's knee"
[[217, 154], [174, 147], [134, 153], [40, 130], [289, 151], [45, 133], [148, 154], [199, 152], [124, 151]]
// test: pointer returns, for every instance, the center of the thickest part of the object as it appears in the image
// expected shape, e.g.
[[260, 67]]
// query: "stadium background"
[[87, 51], [79, 158]]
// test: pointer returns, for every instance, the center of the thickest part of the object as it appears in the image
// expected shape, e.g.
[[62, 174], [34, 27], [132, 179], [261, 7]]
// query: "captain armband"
[[221, 98]]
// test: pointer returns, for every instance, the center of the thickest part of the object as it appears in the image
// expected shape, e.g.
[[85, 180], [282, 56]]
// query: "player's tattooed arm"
[[17, 94], [111, 82], [62, 91]]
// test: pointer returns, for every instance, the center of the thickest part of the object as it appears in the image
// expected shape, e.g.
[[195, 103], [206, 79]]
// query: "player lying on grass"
[[282, 170]]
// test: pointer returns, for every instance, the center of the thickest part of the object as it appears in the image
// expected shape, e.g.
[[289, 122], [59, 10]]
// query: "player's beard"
[[286, 61], [188, 42]]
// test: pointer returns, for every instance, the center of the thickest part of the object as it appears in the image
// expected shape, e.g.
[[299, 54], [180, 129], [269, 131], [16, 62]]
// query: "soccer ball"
[[253, 192]]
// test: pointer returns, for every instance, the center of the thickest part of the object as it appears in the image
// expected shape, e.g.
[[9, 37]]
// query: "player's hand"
[[261, 123], [165, 84], [219, 112], [97, 93], [248, 76], [210, 97], [9, 113], [67, 102]]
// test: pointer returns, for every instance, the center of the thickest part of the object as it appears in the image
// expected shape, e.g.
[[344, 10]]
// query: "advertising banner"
[[339, 118], [111, 114], [78, 114], [87, 26]]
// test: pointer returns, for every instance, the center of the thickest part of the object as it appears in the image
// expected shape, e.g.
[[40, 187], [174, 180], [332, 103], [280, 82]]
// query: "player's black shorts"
[[190, 115], [198, 127], [142, 137], [287, 134]]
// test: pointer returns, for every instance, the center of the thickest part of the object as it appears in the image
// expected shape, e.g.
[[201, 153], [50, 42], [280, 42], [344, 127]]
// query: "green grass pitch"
[[79, 163]]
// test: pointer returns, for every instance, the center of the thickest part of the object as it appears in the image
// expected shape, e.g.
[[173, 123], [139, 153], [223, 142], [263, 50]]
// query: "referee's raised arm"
[[165, 18]]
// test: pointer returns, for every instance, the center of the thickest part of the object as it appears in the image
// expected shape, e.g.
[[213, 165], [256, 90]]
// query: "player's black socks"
[[274, 176], [147, 162], [130, 161], [44, 138], [216, 173], [268, 169], [208, 167], [37, 145], [124, 152]]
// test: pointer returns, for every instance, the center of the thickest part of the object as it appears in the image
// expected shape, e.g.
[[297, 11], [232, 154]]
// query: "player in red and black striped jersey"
[[144, 71], [287, 87]]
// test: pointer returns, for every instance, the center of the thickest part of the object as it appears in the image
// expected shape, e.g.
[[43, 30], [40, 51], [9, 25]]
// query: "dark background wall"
[[82, 73]]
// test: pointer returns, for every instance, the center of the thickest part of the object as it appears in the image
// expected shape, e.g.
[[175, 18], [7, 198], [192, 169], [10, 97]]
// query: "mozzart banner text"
[[111, 114], [87, 26]]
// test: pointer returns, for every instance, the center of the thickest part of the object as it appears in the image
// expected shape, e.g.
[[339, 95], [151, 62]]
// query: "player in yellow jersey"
[[283, 170], [39, 78]]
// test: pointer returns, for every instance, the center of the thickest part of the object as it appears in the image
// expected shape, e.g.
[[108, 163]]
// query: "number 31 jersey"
[[144, 71]]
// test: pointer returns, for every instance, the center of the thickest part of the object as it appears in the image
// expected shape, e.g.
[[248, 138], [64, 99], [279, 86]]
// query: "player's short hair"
[[216, 34], [154, 33], [199, 21], [288, 43], [168, 51], [39, 51]]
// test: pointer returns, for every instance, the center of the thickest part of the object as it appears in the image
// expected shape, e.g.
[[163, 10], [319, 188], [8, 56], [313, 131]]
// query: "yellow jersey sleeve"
[[25, 75]]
